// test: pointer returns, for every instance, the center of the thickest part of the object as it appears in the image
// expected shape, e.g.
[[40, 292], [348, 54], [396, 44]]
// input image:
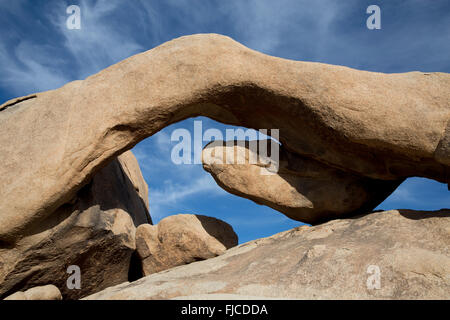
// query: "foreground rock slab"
[[301, 188], [182, 239], [94, 231], [342, 259], [48, 292], [382, 126]]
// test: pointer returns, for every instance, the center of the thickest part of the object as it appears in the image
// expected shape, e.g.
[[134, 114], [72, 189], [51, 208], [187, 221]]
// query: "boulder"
[[381, 126], [182, 239], [48, 292], [398, 254], [95, 231], [301, 188]]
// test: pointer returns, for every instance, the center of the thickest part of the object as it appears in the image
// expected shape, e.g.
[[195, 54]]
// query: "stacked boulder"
[[182, 239]]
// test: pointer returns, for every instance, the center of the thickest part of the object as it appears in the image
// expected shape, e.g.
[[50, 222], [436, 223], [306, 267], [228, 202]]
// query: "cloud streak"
[[171, 195], [100, 42], [26, 69]]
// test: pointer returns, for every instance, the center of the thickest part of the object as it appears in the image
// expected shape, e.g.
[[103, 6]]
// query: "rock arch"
[[380, 126]]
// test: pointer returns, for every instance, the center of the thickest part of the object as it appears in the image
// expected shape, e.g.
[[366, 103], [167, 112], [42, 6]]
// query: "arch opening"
[[188, 188]]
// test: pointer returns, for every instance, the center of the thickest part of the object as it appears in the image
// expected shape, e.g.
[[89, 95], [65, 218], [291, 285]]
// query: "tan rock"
[[95, 231], [132, 170], [48, 292], [182, 239], [303, 189], [383, 126], [342, 259]]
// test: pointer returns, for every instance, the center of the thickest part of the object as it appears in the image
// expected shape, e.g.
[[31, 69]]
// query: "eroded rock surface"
[[182, 239], [335, 260], [95, 231], [382, 126], [301, 188]]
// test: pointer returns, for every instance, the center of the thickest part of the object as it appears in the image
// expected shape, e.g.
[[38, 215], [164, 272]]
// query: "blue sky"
[[38, 52]]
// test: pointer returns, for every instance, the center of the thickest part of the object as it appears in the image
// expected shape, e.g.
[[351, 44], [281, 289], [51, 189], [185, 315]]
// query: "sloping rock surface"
[[342, 259]]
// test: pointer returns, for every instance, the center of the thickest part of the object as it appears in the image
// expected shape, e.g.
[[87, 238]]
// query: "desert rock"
[[182, 239], [398, 254], [48, 292], [95, 231], [301, 188], [382, 126]]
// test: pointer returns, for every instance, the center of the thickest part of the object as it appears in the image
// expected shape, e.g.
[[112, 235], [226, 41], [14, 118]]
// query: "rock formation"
[[380, 126], [48, 292], [95, 231], [71, 196], [407, 251], [182, 239], [303, 189]]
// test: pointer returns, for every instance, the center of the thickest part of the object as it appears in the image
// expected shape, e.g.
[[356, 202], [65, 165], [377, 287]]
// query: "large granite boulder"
[[181, 239], [303, 189], [398, 254], [95, 231], [380, 126]]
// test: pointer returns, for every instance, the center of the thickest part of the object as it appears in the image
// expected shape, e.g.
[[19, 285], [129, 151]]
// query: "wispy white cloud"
[[27, 69], [266, 25], [28, 65], [101, 41], [174, 194]]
